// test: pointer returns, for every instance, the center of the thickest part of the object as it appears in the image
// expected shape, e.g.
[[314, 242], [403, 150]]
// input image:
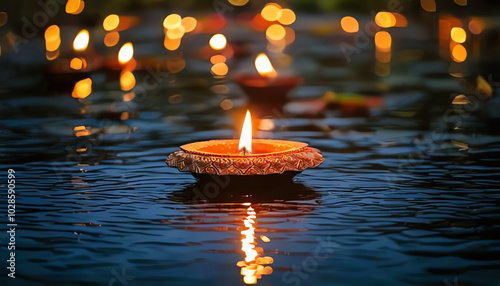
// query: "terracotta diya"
[[246, 161], [267, 87]]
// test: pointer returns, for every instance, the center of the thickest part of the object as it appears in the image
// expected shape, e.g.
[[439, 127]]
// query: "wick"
[[244, 149]]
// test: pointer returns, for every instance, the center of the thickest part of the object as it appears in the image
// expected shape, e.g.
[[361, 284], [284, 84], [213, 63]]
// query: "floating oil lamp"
[[246, 161], [267, 89]]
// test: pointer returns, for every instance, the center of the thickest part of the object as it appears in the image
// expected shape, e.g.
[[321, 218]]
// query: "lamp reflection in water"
[[252, 268], [247, 205]]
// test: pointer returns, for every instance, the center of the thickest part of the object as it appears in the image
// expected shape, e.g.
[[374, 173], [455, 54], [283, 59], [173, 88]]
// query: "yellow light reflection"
[[264, 67], [349, 24], [271, 12], [219, 69], [252, 268], [72, 6], [428, 5], [126, 53], [276, 32], [78, 63], [175, 33], [385, 19], [81, 41], [217, 59], [218, 42], [383, 40], [458, 35], [461, 2], [171, 44], [127, 80], [111, 39], [189, 24], [287, 17], [172, 21], [52, 38], [82, 89], [400, 20], [238, 2], [111, 22], [458, 53]]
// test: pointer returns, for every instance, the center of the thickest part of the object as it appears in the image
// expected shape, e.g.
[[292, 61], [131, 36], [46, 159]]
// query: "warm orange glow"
[[238, 2], [172, 21], [266, 124], [172, 44], [111, 22], [385, 19], [81, 41], [400, 20], [189, 24], [80, 8], [217, 59], [252, 268], [218, 42], [72, 6], [289, 36], [428, 5], [458, 34], [349, 24], [77, 63], [461, 2], [219, 69], [383, 41], [82, 89], [127, 80], [264, 67], [476, 25], [176, 33], [275, 32], [3, 18], [459, 53], [287, 17], [126, 53], [246, 146], [111, 39], [52, 38], [271, 12]]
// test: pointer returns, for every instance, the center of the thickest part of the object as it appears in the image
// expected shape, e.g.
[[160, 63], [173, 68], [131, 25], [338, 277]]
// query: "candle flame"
[[246, 134], [264, 66], [81, 41], [126, 53]]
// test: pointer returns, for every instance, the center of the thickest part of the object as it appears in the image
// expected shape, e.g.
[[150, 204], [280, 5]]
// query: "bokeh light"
[[52, 38], [218, 42], [271, 12], [126, 53], [287, 17], [3, 18], [81, 41], [349, 24], [383, 40], [219, 69], [385, 19], [78, 63], [111, 22], [111, 39], [127, 80], [428, 5], [458, 35], [458, 53], [172, 21], [189, 24], [276, 32], [238, 2], [82, 89]]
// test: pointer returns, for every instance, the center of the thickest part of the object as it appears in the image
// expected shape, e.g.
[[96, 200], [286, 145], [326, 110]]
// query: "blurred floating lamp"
[[246, 161], [267, 87]]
